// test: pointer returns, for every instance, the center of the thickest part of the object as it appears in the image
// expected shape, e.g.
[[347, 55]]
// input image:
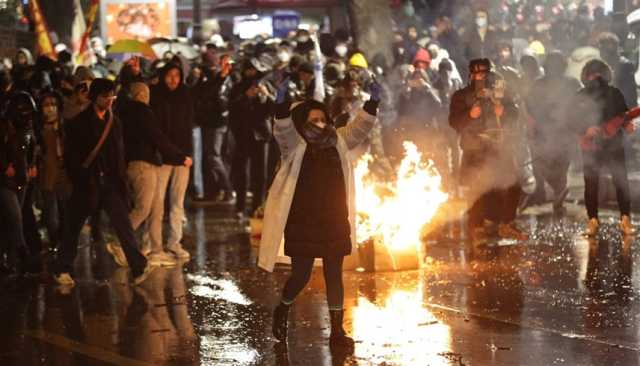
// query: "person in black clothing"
[[251, 106], [319, 218], [596, 104], [101, 180], [212, 110], [483, 116], [550, 139], [18, 168], [623, 70]]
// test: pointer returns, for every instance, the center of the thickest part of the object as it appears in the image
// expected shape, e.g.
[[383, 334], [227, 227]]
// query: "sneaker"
[[178, 251], [65, 279], [592, 227], [511, 231], [118, 255], [626, 226], [161, 259], [144, 275]]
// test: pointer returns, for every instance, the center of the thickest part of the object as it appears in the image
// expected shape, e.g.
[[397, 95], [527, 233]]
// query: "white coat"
[[292, 149]]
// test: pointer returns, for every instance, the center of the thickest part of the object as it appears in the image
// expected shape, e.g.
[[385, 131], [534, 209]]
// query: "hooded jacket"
[[174, 112]]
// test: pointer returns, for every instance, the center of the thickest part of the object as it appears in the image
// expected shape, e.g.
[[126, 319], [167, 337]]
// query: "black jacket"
[[595, 105], [250, 117], [174, 111], [18, 147], [212, 102], [143, 138], [81, 136]]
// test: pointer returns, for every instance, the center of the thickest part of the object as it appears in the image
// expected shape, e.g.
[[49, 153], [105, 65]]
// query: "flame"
[[394, 213]]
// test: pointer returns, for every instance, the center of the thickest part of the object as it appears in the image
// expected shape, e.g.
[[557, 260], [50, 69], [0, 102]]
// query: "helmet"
[[21, 108]]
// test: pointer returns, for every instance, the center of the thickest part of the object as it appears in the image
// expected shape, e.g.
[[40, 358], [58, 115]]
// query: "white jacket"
[[292, 149]]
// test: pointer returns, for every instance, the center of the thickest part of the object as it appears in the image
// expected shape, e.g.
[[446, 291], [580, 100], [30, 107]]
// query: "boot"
[[280, 322], [338, 339]]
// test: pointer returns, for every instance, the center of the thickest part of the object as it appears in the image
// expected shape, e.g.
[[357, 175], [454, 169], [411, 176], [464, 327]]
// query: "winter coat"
[[175, 114], [18, 148], [52, 175], [280, 198], [250, 117], [143, 138]]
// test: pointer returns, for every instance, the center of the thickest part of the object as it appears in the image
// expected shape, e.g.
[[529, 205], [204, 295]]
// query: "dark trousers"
[[550, 165], [53, 215], [301, 268], [497, 205], [250, 166], [615, 161], [216, 176], [12, 229], [113, 202]]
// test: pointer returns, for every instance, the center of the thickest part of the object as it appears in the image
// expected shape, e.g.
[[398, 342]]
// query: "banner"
[[85, 54], [78, 28], [137, 19], [44, 46]]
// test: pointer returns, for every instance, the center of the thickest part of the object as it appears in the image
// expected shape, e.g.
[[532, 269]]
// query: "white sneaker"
[[65, 279], [626, 226], [118, 255], [146, 249], [161, 259], [592, 227], [179, 251], [144, 275]]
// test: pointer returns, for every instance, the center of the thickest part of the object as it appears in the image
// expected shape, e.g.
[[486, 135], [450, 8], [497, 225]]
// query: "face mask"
[[481, 22], [341, 50], [284, 56], [50, 113], [303, 39]]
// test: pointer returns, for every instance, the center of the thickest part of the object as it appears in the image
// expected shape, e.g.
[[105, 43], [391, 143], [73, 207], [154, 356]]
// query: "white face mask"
[[303, 39], [50, 113], [284, 56], [481, 22], [341, 50]]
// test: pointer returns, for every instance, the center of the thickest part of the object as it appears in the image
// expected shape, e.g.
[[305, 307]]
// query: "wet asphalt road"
[[558, 299]]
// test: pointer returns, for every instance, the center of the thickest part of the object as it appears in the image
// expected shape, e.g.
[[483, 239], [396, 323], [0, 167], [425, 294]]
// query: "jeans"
[[53, 214], [615, 160], [301, 268], [176, 178], [216, 176], [111, 199], [251, 154]]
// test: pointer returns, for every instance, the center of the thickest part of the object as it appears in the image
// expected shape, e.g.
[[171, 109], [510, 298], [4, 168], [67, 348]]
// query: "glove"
[[375, 90]]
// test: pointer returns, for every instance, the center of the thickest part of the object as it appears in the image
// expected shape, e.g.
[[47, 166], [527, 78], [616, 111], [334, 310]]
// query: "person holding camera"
[[483, 116]]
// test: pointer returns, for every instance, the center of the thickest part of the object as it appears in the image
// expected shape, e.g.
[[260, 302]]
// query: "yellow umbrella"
[[127, 48]]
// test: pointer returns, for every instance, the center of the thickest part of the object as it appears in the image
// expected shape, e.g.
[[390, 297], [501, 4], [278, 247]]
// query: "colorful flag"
[[78, 28], [85, 53], [44, 46]]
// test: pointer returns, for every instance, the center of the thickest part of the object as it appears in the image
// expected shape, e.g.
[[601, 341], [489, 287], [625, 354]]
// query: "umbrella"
[[162, 45], [127, 48]]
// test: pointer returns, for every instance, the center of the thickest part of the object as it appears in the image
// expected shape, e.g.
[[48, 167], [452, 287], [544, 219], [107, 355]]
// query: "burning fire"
[[394, 213]]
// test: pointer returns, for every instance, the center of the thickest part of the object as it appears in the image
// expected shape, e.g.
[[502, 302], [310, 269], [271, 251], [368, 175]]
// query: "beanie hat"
[[306, 67], [422, 56], [358, 60], [100, 86], [479, 64]]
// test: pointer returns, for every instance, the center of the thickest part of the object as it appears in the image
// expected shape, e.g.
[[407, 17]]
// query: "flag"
[[78, 28], [44, 46], [85, 53]]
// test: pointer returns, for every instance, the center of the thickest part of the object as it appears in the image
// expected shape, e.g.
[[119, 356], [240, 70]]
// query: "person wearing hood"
[[597, 103], [311, 204], [550, 140], [250, 124], [173, 107], [145, 147], [22, 63]]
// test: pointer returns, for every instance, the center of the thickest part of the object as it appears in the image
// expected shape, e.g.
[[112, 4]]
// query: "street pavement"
[[557, 299]]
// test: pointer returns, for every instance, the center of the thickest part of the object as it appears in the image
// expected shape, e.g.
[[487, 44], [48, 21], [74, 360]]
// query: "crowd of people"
[[483, 99]]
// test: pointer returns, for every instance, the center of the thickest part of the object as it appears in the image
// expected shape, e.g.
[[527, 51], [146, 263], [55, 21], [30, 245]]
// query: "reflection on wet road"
[[558, 299]]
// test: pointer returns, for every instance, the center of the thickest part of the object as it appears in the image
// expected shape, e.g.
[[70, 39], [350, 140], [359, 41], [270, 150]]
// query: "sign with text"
[[137, 19]]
